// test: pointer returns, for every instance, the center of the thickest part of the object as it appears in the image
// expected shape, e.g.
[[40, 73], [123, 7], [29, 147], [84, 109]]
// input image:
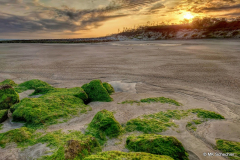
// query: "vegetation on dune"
[[205, 23], [8, 96], [1, 126], [201, 113], [155, 99], [104, 124], [96, 91], [117, 155], [157, 144], [32, 84], [229, 147], [3, 115], [47, 109], [9, 82], [157, 122], [16, 135], [108, 87]]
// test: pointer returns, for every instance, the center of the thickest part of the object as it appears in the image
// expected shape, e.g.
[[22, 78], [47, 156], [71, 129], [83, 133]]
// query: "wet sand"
[[197, 73]]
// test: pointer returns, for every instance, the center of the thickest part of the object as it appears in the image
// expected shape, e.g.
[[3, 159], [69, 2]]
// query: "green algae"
[[31, 84], [148, 125], [9, 82], [161, 100], [157, 144], [201, 113], [8, 97], [108, 87], [104, 124], [78, 149], [117, 155], [96, 91], [229, 147], [46, 109], [16, 135], [155, 99], [157, 122], [76, 91], [161, 121], [3, 115], [57, 141], [192, 125], [130, 102]]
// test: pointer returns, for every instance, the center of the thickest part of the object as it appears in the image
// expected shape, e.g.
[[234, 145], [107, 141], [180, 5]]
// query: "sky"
[[40, 19]]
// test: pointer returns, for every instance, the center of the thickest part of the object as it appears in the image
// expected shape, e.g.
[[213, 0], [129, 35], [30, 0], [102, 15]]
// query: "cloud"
[[42, 17], [13, 23], [155, 8], [221, 8]]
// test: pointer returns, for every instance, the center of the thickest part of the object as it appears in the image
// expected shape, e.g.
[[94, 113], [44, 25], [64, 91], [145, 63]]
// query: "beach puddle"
[[123, 87], [9, 125]]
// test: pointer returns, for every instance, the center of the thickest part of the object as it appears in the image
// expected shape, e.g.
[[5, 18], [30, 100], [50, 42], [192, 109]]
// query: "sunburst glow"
[[188, 16]]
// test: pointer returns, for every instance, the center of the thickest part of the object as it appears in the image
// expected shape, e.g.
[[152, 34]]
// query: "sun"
[[188, 16]]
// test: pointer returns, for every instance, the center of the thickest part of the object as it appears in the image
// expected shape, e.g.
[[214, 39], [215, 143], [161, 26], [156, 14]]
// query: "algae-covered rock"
[[104, 124], [34, 83], [96, 91], [76, 91], [8, 97], [16, 135], [47, 108], [9, 82], [31, 84], [76, 148], [108, 87], [117, 155], [3, 115], [157, 144]]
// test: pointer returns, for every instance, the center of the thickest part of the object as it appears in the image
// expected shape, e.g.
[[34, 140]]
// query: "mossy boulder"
[[157, 144], [32, 84], [8, 96], [96, 91], [3, 115], [9, 82], [47, 108], [76, 91], [108, 87], [42, 90], [117, 155], [79, 148], [104, 124], [16, 135]]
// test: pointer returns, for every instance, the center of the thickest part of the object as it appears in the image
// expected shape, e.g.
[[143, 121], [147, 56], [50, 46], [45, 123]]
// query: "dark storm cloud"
[[13, 23]]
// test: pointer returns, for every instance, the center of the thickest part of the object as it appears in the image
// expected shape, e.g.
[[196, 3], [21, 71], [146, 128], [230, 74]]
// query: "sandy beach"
[[197, 73]]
